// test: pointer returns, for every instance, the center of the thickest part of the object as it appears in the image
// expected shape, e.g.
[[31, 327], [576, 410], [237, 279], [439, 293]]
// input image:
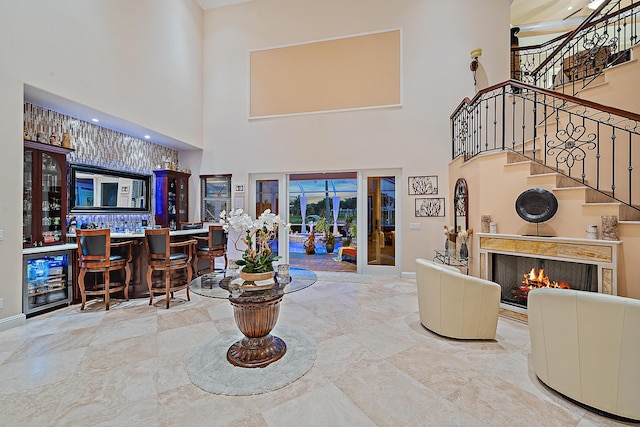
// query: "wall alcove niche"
[[461, 205]]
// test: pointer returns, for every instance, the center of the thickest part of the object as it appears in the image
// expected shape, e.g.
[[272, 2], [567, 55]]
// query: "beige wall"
[[136, 60], [437, 39], [11, 196]]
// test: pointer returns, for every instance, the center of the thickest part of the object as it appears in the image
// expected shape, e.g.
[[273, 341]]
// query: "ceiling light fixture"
[[147, 136], [95, 120], [595, 4]]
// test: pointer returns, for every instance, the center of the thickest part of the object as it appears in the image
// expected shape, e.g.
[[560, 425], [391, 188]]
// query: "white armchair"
[[456, 305], [586, 346]]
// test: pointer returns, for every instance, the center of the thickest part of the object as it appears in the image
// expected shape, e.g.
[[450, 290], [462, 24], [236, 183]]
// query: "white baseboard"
[[408, 275], [12, 321]]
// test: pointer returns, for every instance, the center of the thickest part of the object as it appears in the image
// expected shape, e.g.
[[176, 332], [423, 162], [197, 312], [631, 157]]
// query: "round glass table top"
[[226, 284]]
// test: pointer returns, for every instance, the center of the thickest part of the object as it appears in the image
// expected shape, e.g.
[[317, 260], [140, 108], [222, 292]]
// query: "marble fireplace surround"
[[602, 253]]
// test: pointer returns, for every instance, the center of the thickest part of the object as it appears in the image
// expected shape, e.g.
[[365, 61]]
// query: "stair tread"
[[579, 187]]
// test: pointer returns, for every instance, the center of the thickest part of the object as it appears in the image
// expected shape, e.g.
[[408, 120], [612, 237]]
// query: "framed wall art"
[[430, 206], [423, 185]]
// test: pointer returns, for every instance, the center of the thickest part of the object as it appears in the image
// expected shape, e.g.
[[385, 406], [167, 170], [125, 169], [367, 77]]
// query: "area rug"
[[209, 369]]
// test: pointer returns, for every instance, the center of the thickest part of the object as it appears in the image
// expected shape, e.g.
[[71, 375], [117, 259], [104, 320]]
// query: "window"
[[215, 197]]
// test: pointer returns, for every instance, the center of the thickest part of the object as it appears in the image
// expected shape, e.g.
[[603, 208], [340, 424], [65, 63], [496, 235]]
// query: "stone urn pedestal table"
[[255, 309]]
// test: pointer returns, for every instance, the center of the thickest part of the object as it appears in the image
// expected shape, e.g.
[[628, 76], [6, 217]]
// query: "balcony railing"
[[573, 60], [598, 146]]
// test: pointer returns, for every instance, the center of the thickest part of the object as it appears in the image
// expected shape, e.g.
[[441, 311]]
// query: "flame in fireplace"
[[540, 279]]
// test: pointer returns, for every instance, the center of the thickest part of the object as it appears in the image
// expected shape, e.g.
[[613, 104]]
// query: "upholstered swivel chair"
[[165, 257], [213, 246], [456, 305], [95, 256]]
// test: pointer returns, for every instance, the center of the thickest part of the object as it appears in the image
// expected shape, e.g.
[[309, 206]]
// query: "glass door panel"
[[378, 223], [27, 199], [52, 220], [381, 196], [182, 201], [267, 197], [171, 204]]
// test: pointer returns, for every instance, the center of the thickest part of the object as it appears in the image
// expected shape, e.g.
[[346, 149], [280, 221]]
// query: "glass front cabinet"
[[45, 194], [172, 198]]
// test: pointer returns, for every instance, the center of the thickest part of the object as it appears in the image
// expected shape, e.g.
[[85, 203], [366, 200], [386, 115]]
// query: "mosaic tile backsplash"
[[98, 146]]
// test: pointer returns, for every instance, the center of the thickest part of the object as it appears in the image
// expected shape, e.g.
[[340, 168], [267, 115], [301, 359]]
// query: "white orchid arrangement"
[[255, 234]]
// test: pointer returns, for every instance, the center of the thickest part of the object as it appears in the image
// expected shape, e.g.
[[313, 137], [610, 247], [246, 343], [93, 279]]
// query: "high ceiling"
[[535, 16]]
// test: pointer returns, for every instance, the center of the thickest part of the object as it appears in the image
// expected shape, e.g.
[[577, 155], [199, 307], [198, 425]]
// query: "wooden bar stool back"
[[190, 225], [213, 246], [95, 256], [165, 257]]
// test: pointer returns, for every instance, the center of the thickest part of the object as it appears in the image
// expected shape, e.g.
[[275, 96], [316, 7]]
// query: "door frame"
[[363, 267], [283, 207]]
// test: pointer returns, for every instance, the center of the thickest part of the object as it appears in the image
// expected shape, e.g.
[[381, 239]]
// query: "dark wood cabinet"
[[172, 198], [44, 204]]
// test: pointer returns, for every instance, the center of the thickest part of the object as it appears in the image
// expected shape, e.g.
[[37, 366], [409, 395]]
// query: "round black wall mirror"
[[536, 205]]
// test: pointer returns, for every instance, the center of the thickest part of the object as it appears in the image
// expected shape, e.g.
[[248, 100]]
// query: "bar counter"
[[138, 287]]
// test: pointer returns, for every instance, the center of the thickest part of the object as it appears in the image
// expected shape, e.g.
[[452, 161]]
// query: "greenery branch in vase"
[[450, 242], [255, 235]]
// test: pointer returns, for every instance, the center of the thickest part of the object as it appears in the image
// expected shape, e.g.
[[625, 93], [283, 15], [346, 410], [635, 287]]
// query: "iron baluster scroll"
[[570, 145], [596, 145]]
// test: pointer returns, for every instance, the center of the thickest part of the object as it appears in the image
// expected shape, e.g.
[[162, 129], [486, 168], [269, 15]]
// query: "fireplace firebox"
[[585, 264], [509, 272]]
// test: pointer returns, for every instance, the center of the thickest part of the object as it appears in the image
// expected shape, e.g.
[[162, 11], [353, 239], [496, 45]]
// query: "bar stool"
[[213, 246], [162, 258], [95, 256]]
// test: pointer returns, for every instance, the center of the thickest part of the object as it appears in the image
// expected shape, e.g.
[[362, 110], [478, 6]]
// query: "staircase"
[[501, 146], [617, 85]]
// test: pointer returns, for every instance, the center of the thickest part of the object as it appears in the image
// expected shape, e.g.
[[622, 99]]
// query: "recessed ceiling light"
[[570, 7], [95, 120], [595, 4], [147, 136]]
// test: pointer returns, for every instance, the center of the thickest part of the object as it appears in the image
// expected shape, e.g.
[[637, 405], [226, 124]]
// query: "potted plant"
[[256, 236], [353, 232], [310, 243], [348, 236], [329, 240]]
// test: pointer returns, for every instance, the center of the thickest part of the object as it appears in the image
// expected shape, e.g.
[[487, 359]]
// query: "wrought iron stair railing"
[[570, 62], [598, 146]]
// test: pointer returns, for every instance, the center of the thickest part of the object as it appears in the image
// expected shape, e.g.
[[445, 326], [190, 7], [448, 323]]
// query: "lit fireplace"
[[533, 280]]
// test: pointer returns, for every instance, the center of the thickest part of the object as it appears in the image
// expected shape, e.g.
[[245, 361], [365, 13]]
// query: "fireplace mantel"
[[603, 253]]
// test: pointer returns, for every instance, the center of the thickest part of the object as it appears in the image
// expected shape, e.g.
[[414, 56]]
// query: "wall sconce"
[[475, 54]]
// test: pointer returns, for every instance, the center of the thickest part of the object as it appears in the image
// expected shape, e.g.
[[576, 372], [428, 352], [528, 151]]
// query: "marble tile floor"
[[376, 366]]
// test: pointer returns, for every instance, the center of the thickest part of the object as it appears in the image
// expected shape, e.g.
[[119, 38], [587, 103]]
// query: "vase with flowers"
[[464, 237], [450, 243], [256, 236]]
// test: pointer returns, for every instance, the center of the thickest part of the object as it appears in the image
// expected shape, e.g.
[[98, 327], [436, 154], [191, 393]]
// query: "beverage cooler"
[[46, 281]]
